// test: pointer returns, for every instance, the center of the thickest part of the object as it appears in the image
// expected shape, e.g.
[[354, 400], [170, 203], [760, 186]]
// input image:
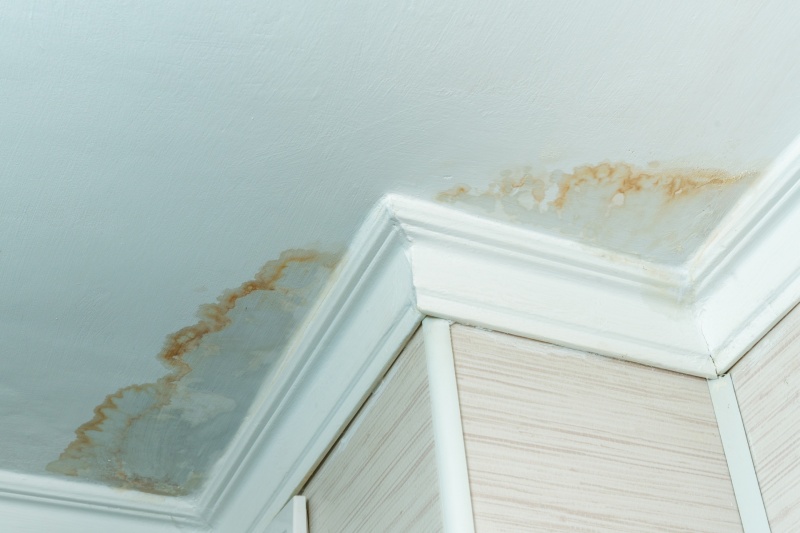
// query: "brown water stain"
[[659, 212], [104, 449], [630, 179], [624, 177]]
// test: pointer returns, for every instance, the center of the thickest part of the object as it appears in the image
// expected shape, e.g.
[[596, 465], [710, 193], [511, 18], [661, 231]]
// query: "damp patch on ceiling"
[[163, 437], [659, 213]]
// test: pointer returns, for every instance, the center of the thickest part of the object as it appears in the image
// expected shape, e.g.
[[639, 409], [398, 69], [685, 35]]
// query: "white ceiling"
[[155, 154]]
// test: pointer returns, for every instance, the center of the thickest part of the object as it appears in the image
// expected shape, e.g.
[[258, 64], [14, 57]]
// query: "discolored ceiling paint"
[[156, 153], [658, 213], [163, 437]]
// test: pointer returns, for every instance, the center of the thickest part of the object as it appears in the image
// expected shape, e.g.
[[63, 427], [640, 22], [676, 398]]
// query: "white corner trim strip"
[[747, 275], [737, 454], [484, 273], [299, 514], [293, 518], [448, 435]]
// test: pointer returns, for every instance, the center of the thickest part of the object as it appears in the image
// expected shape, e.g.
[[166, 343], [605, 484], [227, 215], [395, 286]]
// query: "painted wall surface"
[[155, 154]]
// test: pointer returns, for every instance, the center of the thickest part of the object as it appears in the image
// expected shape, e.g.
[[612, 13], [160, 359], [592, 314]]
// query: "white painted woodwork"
[[737, 454], [451, 458], [767, 384], [502, 277], [561, 440], [698, 318], [382, 475], [33, 504], [30, 516], [746, 277], [293, 518]]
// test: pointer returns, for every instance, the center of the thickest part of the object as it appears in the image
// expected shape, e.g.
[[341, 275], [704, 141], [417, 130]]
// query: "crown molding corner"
[[746, 277], [498, 276]]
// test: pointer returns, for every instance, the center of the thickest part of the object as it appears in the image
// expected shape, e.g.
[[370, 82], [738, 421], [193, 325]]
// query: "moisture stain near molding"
[[163, 437], [657, 213]]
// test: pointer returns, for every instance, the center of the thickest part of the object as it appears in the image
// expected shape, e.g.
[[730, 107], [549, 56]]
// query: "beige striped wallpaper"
[[561, 440], [767, 384], [381, 476]]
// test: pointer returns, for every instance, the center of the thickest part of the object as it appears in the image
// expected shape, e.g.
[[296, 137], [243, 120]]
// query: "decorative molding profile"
[[413, 258], [699, 318], [448, 435], [27, 502], [492, 275], [747, 275]]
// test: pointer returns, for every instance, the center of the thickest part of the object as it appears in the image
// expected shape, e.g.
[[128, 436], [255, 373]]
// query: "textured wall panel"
[[767, 383], [561, 440], [381, 475]]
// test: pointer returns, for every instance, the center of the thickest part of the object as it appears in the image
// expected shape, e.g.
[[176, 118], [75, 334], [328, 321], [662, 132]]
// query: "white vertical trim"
[[299, 514], [293, 518], [451, 457], [737, 453]]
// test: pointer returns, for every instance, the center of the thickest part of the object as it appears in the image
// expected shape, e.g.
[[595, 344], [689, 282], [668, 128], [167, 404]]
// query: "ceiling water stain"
[[163, 437], [658, 213]]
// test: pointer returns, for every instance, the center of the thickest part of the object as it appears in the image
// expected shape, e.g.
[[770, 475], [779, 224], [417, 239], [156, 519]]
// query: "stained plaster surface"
[[163, 437], [154, 155], [659, 213]]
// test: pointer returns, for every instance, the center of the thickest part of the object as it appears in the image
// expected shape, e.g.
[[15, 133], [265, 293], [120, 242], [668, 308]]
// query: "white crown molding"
[[27, 502], [747, 275], [413, 258], [488, 274]]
